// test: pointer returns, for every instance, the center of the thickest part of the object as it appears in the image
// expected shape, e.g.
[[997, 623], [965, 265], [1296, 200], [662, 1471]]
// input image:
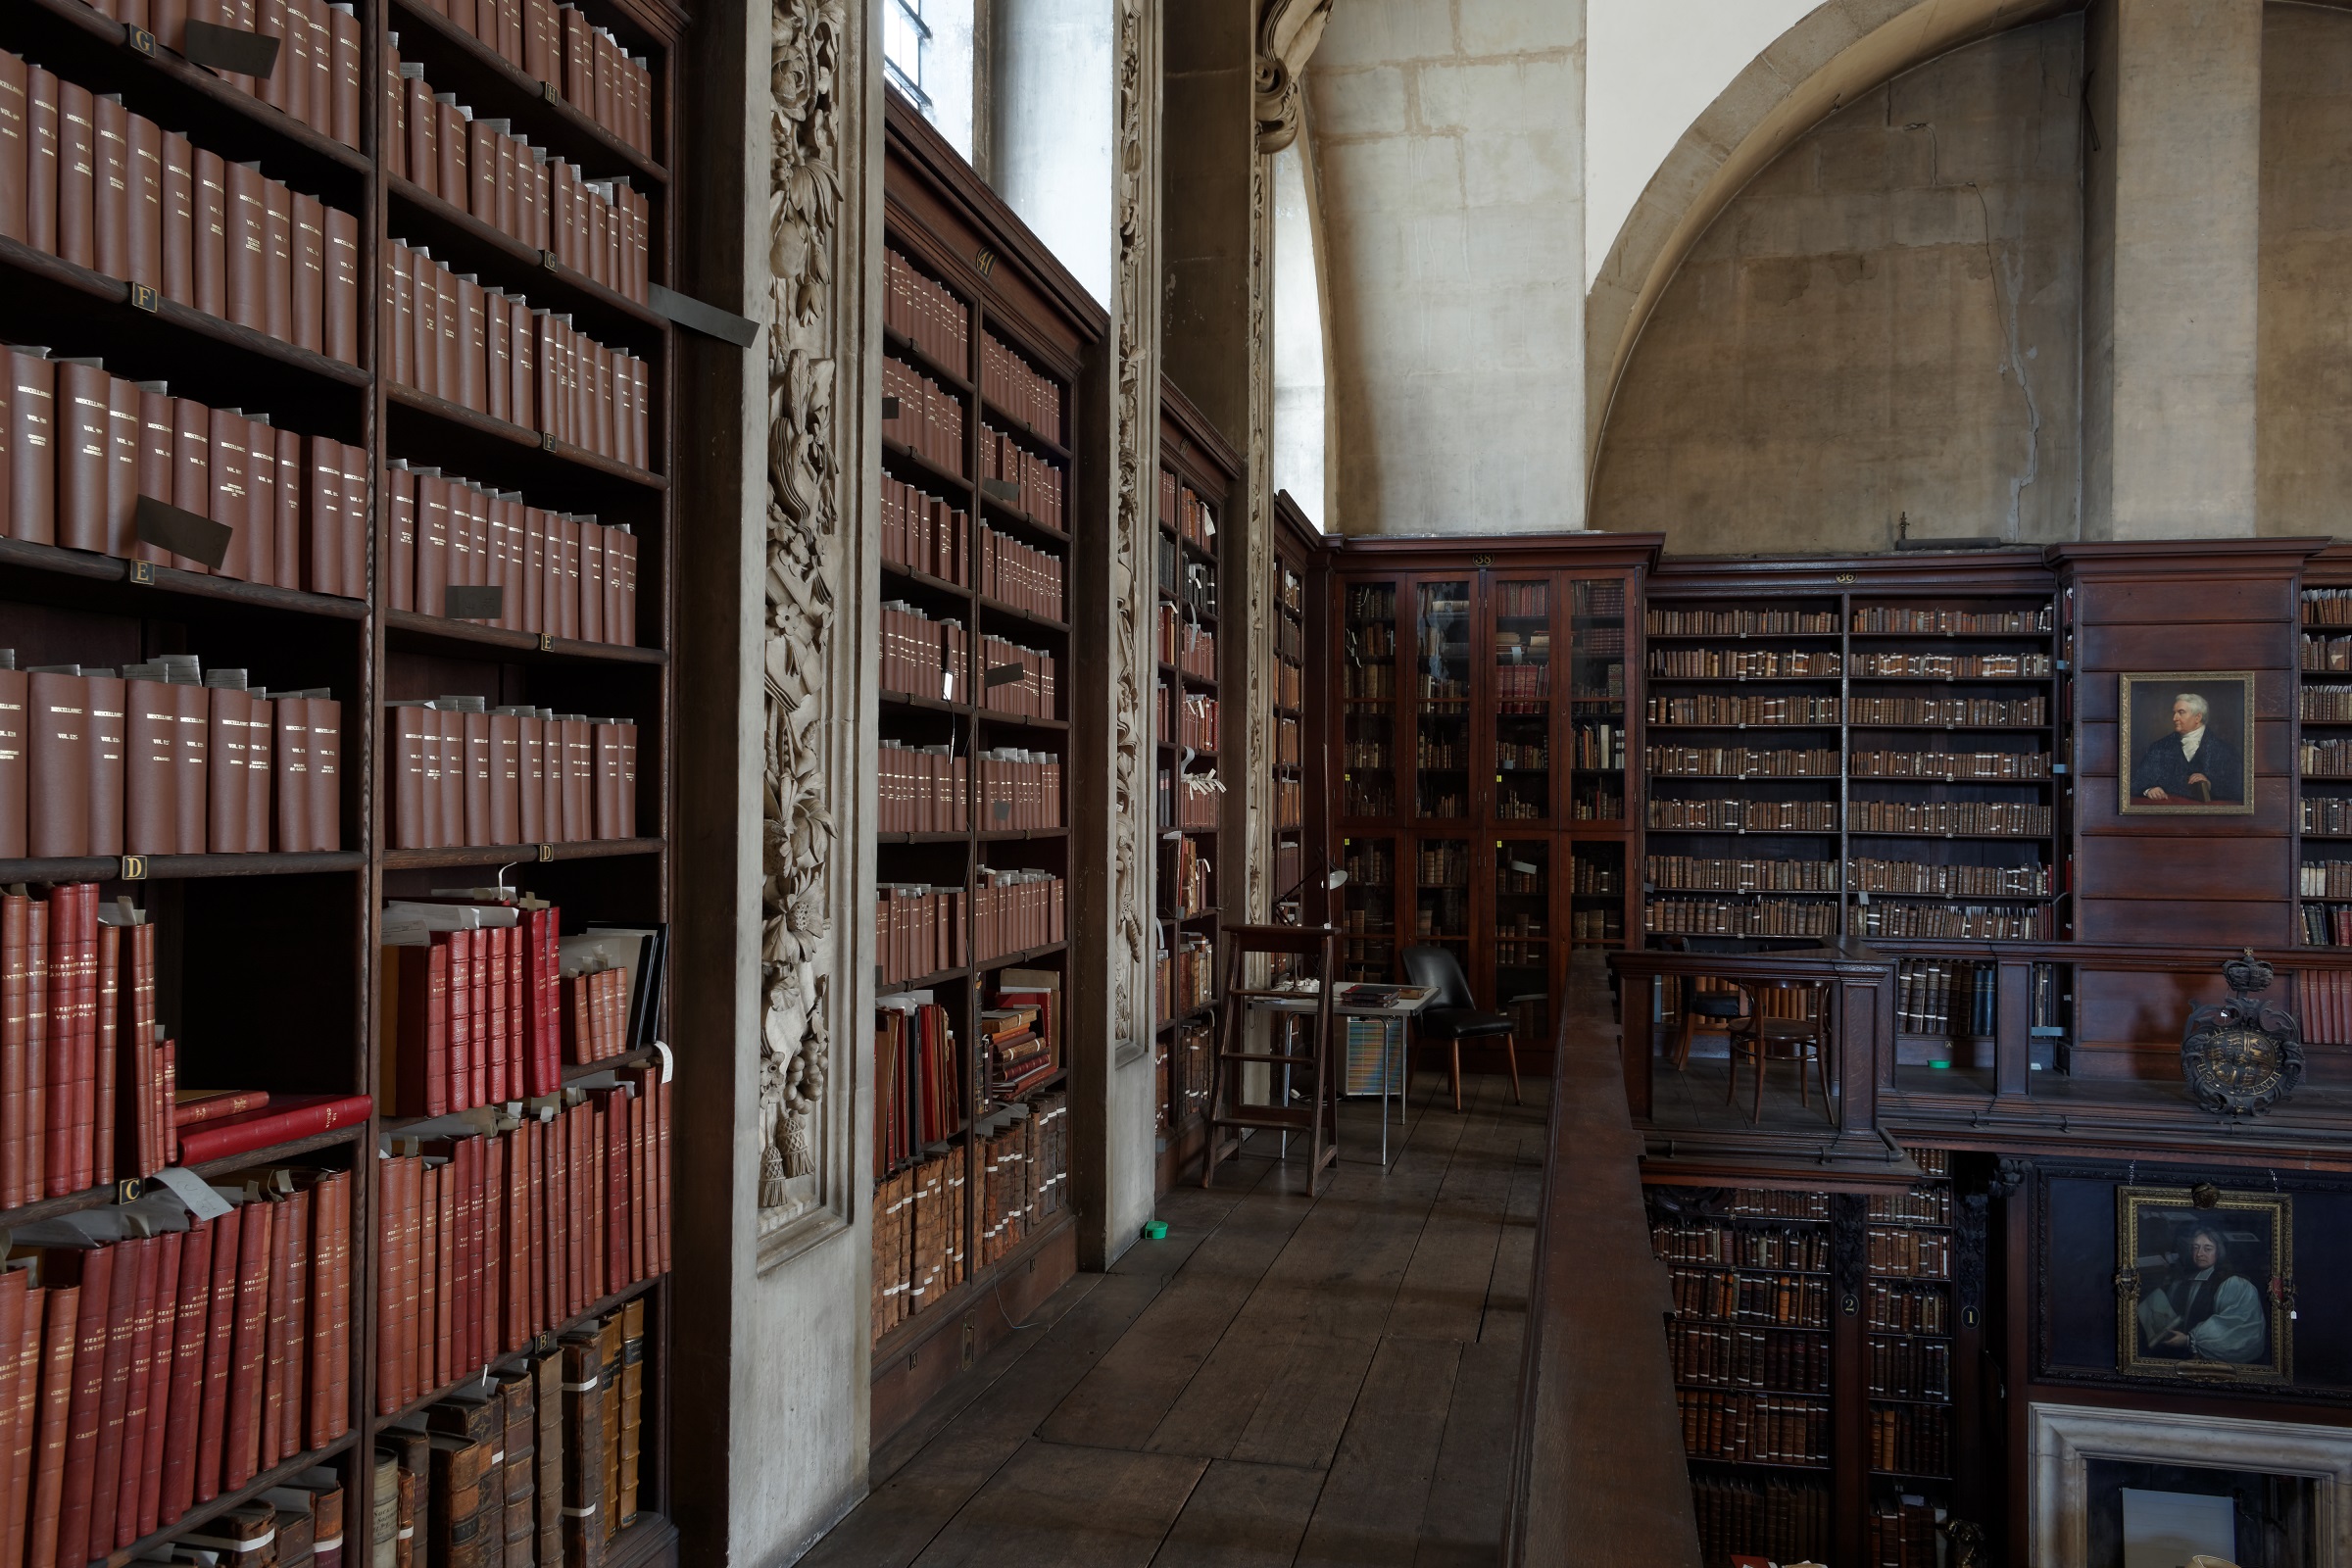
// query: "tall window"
[[906, 38]]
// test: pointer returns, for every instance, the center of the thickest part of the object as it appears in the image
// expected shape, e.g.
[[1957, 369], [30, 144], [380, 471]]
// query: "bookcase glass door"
[[1367, 912], [1442, 894], [1597, 895], [1523, 946], [1521, 644], [1596, 698], [1442, 678], [1368, 687]]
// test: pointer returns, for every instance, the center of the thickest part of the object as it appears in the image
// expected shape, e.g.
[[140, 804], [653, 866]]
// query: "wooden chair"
[[1230, 1116], [1717, 1011], [1452, 1015], [1787, 1021]]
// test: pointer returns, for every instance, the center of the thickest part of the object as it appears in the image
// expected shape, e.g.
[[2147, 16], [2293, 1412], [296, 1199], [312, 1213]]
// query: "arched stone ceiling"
[[1840, 50]]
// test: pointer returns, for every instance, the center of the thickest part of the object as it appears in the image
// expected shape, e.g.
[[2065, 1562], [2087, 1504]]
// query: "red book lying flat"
[[287, 1117], [215, 1105]]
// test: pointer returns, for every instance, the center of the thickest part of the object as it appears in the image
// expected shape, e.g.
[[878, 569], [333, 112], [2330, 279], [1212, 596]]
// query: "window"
[[906, 38]]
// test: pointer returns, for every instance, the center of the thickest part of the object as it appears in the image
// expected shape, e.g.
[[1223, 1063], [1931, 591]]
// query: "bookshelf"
[[267, 971], [2324, 754], [1299, 762], [1199, 476], [983, 544]]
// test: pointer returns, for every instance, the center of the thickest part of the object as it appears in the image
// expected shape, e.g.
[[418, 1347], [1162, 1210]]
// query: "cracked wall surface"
[[1886, 323]]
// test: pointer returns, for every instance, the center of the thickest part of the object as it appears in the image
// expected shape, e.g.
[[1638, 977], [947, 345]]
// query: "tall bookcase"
[[2324, 752], [1481, 703], [268, 973], [985, 539], [1299, 757], [1192, 763]]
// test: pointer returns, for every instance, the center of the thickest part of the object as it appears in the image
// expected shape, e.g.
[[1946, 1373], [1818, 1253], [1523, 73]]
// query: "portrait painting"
[[2204, 1293], [2186, 744]]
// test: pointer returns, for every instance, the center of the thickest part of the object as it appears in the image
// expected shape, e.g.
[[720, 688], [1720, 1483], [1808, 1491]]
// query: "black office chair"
[[1452, 1015]]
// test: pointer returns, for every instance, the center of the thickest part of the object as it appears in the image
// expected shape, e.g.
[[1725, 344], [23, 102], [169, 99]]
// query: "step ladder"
[[1298, 1056]]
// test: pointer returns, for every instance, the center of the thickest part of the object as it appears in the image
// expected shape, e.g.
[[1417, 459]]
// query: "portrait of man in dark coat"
[[2191, 766], [2184, 743]]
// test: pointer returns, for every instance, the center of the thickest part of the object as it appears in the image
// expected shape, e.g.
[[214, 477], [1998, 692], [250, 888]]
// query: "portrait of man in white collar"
[[2185, 743]]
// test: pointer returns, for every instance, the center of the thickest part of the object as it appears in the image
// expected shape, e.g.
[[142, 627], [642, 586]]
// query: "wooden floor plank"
[[1053, 1505], [1305, 1407], [1461, 1524], [1370, 1512], [1444, 1292], [1243, 1516], [1503, 1318]]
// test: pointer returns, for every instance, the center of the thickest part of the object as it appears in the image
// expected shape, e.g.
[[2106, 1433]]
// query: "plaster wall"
[[1205, 208], [1049, 126], [1450, 145], [1883, 322], [2303, 385]]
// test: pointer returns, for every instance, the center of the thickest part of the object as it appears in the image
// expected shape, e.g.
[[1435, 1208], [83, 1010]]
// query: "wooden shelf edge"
[[89, 566], [417, 623], [99, 1197], [181, 867], [572, 1072], [514, 1358], [517, 854], [917, 357]]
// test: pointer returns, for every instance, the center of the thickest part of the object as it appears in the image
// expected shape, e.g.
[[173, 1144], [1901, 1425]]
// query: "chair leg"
[[1731, 1078], [1804, 1084], [1680, 1055], [1755, 1117], [1511, 1054], [1820, 1063], [1458, 1077]]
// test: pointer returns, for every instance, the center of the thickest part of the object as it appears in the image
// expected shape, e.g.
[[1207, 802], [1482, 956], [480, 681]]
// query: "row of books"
[[1742, 1247], [920, 789], [1702, 874], [1588, 875], [2327, 607], [1910, 1440], [1289, 812], [1911, 1369], [1197, 724], [1018, 680], [1597, 925], [919, 1078], [1189, 889], [467, 774], [1743, 816], [581, 63], [159, 1357], [1601, 746], [1020, 576], [1902, 1533], [2330, 814], [1973, 819], [1020, 789], [1754, 1428], [1013, 910], [1185, 976], [1950, 881], [1009, 383], [1028, 482], [1749, 1359], [1187, 644], [86, 180], [597, 227], [1888, 620], [300, 1522], [474, 1007], [1738, 623], [920, 929], [925, 314], [461, 550], [1930, 1205], [924, 657], [1743, 1520], [1365, 682], [1194, 521], [2330, 654], [2326, 926], [920, 414], [1947, 766], [1179, 1058], [1721, 1296], [1520, 688], [1019, 1048], [1193, 583], [486, 1241], [2324, 997], [1959, 713], [1776, 1202], [1374, 796], [490, 351], [1738, 712], [1951, 666], [2326, 759], [1957, 922], [1906, 1308], [1188, 800], [1944, 1000], [924, 533], [1024, 1172], [316, 77], [149, 762], [80, 449], [1744, 663], [1913, 1253], [1766, 917], [1020, 1163]]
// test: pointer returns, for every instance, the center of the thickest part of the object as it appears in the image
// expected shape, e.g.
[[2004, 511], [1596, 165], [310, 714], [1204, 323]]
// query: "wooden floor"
[[1279, 1382]]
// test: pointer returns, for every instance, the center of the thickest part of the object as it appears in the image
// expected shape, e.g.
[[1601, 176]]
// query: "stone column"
[[2171, 267]]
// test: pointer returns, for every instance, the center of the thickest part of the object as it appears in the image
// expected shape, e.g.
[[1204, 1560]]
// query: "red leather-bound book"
[[108, 1098], [89, 1391], [287, 1119], [417, 984], [416, 1355], [13, 1283], [151, 1394], [241, 1453], [462, 991], [318, 1334], [85, 1035], [19, 1185], [390, 1280], [444, 1222], [295, 1375], [58, 1047], [134, 1303], [60, 1338], [277, 1308], [213, 1106], [191, 1308], [220, 1350], [191, 724]]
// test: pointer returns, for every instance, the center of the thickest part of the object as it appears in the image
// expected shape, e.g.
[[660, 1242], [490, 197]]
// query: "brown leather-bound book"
[[607, 740], [192, 1303], [341, 299], [16, 1446], [60, 1339], [507, 191], [433, 544], [449, 732], [531, 577], [14, 739], [191, 713], [32, 425], [171, 21], [580, 62], [446, 328], [277, 1342], [41, 150], [15, 107], [158, 452], [290, 81], [464, 535], [580, 746], [400, 566], [449, 143], [210, 268], [123, 447], [427, 294], [58, 766], [568, 578], [286, 547], [232, 490], [76, 174], [498, 338], [480, 196], [621, 612], [316, 1333], [530, 784], [149, 1413], [242, 1449], [548, 394], [108, 736], [261, 771], [227, 777], [592, 582], [277, 261], [259, 533], [151, 769], [290, 770], [245, 231], [424, 119], [625, 408], [146, 237], [322, 521], [399, 308], [513, 577], [473, 730], [133, 1298], [82, 454], [90, 1334], [230, 1262], [325, 816], [355, 522], [191, 466], [472, 361], [522, 356], [346, 26], [177, 227], [307, 303], [110, 185]]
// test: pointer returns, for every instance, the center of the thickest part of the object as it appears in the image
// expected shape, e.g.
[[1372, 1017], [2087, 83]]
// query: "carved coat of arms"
[[2243, 1055]]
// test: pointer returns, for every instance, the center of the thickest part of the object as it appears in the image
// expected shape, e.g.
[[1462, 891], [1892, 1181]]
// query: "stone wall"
[[2303, 383], [1885, 322]]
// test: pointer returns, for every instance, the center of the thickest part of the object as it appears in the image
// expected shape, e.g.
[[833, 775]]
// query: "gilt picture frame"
[[2205, 1292], [2184, 743]]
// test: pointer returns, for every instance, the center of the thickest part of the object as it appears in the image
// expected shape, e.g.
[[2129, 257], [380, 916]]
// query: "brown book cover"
[[191, 466], [325, 814], [481, 172], [286, 547], [110, 183], [151, 772], [277, 261], [211, 262], [61, 1338], [530, 813], [134, 1300], [41, 159], [323, 519], [522, 355], [346, 26], [291, 770], [278, 1341], [76, 174], [341, 300], [146, 237], [260, 531], [15, 108], [446, 369], [506, 779], [403, 312], [471, 361], [232, 488], [13, 738], [245, 230], [191, 722], [433, 554], [449, 142], [83, 453], [426, 291], [171, 1485], [567, 574], [261, 772], [424, 118], [533, 574], [498, 335], [409, 726], [24, 1411], [178, 221], [607, 740], [227, 778], [249, 1368], [449, 730], [354, 515], [122, 448], [90, 1336], [158, 454], [58, 766], [109, 754], [399, 483], [32, 435], [476, 730], [308, 300], [592, 582]]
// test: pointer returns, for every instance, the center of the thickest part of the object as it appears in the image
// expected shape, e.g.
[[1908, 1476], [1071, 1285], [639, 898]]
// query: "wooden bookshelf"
[[1297, 765], [267, 971]]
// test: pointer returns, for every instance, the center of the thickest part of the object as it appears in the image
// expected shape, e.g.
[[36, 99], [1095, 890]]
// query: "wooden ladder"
[[1318, 1120]]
